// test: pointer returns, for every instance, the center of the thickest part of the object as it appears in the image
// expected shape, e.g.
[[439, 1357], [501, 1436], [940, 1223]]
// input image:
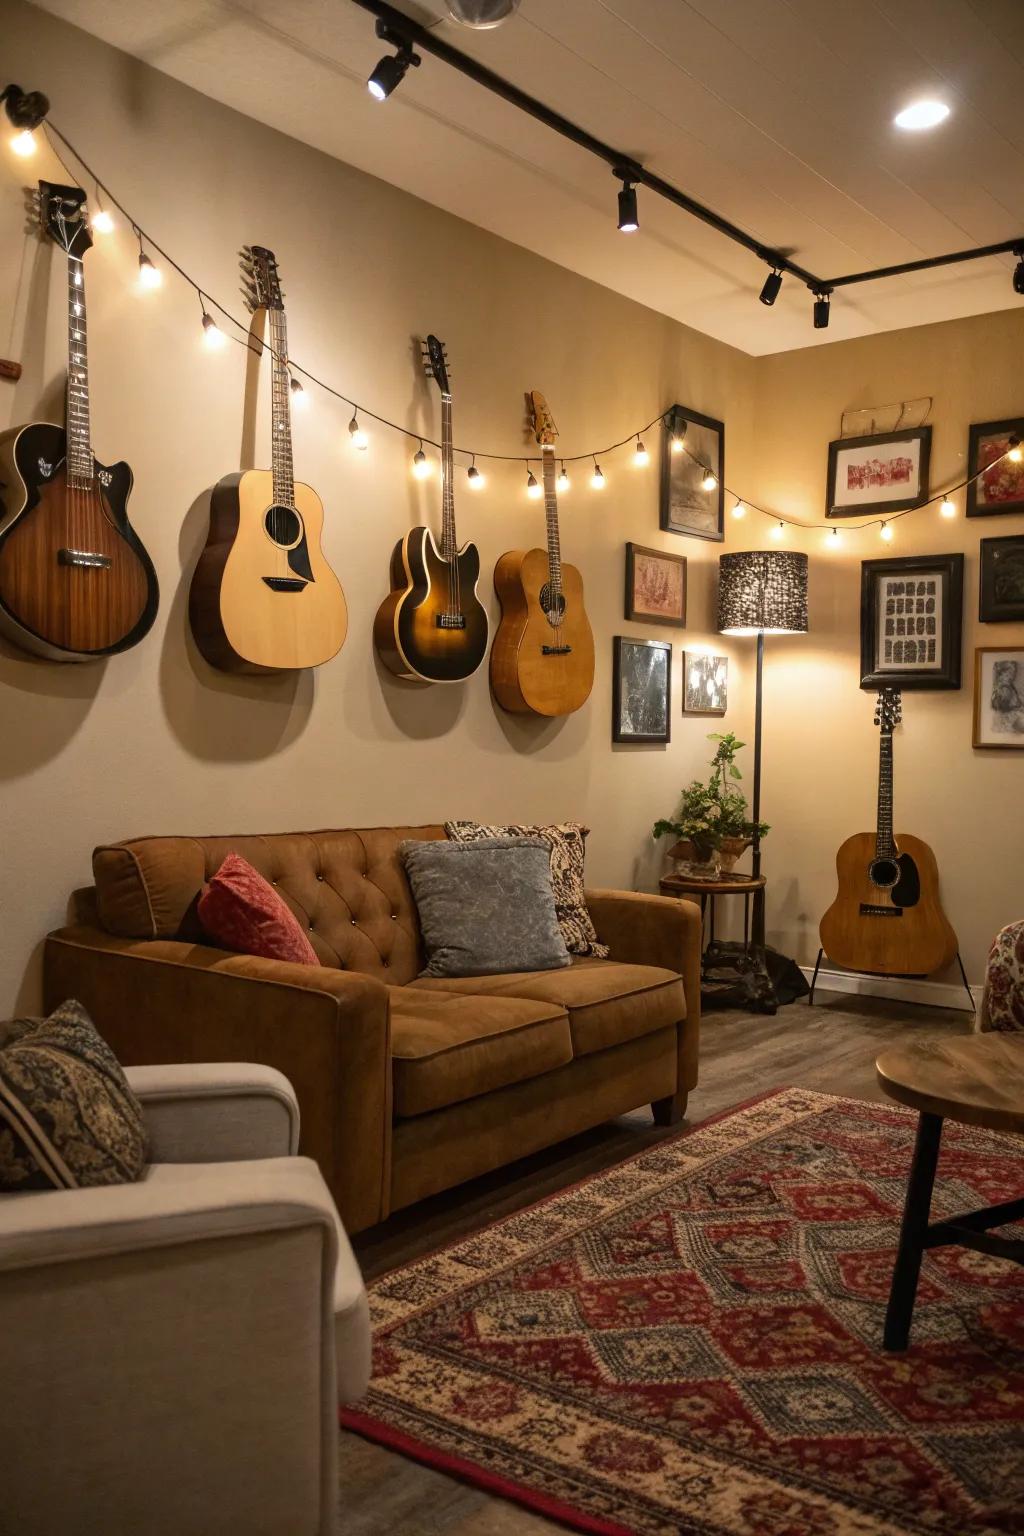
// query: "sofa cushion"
[[446, 1048], [608, 1001], [241, 911]]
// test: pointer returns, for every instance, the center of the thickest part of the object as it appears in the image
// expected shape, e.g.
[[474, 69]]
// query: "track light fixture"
[[772, 284], [629, 220], [1018, 271], [821, 309], [392, 68]]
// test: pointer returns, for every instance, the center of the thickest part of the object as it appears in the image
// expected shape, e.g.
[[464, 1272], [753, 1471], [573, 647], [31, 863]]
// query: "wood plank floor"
[[831, 1047]]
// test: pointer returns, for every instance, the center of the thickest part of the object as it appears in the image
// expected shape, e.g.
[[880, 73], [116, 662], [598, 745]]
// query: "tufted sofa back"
[[347, 889]]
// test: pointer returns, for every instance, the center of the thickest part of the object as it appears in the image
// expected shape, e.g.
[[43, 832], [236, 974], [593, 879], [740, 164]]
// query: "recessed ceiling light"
[[922, 114]]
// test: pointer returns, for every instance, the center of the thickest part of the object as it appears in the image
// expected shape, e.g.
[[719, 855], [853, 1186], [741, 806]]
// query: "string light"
[[779, 531], [533, 490], [562, 483], [213, 336], [25, 111], [102, 221], [678, 436], [641, 458], [885, 532], [356, 436], [597, 478], [421, 466], [1014, 452], [150, 276], [23, 144], [739, 510], [299, 397], [477, 481], [832, 539], [947, 508], [709, 482]]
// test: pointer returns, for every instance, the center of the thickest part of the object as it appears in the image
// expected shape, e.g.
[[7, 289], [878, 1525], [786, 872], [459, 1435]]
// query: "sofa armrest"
[[326, 1030], [215, 1112], [1002, 1001]]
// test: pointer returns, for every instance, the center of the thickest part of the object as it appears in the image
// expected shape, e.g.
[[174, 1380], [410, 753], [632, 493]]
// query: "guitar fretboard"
[[283, 466], [551, 514], [885, 847], [449, 541], [79, 442]]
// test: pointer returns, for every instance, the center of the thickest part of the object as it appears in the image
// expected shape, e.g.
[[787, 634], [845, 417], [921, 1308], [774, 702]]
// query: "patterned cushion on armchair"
[[1002, 1006]]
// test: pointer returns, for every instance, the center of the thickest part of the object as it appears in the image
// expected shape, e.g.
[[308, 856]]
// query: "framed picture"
[[887, 472], [911, 617], [1001, 585], [655, 586], [1000, 486], [705, 683], [641, 690], [685, 506], [999, 698]]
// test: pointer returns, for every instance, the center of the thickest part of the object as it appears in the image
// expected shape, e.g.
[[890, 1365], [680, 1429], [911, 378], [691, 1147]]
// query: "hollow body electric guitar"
[[542, 659], [432, 626], [76, 583], [263, 597], [887, 918]]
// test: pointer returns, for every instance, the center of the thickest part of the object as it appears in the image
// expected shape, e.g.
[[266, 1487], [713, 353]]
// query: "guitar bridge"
[[870, 909], [556, 650], [286, 583], [451, 621], [84, 558]]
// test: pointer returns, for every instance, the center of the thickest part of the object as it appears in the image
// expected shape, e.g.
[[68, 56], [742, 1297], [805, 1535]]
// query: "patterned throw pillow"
[[568, 841], [241, 911], [68, 1118]]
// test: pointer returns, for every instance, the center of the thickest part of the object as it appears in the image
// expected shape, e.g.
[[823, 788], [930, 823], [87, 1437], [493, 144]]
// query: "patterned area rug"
[[689, 1343]]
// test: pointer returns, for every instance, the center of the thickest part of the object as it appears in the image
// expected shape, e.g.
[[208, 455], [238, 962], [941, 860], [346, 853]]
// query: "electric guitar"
[[887, 917], [76, 583], [542, 659], [263, 597], [432, 627]]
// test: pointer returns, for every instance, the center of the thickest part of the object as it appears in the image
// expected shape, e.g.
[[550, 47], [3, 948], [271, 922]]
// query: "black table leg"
[[913, 1231]]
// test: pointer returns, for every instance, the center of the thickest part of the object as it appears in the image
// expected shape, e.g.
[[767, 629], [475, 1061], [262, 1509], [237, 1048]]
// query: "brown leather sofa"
[[405, 1087]]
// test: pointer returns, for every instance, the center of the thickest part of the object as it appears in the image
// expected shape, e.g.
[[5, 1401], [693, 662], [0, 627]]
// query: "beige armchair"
[[174, 1350]]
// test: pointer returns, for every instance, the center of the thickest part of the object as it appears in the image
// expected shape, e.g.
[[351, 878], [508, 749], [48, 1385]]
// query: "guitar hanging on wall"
[[542, 659], [263, 597], [887, 918], [432, 627], [76, 583]]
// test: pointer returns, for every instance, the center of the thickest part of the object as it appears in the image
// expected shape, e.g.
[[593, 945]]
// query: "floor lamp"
[[761, 592]]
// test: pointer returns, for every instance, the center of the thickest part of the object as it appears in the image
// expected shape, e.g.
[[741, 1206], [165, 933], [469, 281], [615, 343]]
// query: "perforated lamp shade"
[[762, 592]]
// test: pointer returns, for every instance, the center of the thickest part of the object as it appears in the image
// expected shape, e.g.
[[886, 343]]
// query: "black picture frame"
[[643, 615], [1001, 598], [948, 572], [885, 505], [704, 449], [627, 686], [978, 432]]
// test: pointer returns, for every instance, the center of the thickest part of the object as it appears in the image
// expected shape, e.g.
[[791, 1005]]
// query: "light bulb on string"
[[421, 466], [947, 508], [563, 482], [739, 510], [641, 458], [356, 435], [832, 539], [300, 399], [779, 531], [102, 221], [533, 490], [213, 337], [1015, 452], [678, 431], [709, 482], [597, 478], [477, 481], [885, 533], [149, 276], [23, 144]]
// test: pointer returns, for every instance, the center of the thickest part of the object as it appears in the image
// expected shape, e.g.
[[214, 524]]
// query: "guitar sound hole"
[[283, 525], [884, 873], [552, 604]]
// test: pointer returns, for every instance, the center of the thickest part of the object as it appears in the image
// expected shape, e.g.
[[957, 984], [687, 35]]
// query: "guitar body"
[[408, 631], [76, 583], [259, 603], [898, 930], [537, 666]]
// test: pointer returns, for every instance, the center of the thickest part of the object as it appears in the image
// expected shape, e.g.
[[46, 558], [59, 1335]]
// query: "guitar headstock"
[[541, 419], [62, 214], [435, 363], [888, 709], [261, 280]]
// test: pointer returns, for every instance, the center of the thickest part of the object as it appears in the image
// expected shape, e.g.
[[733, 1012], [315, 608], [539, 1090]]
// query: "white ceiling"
[[776, 113]]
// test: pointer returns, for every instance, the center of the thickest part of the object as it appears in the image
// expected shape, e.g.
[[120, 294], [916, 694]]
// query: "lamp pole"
[[756, 817]]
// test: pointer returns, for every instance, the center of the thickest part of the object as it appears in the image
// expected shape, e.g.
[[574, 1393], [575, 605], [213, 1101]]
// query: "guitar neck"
[[283, 466], [885, 846], [79, 441], [551, 514], [449, 539]]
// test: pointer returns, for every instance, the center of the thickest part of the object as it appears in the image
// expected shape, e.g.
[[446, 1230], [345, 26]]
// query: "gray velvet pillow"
[[485, 907]]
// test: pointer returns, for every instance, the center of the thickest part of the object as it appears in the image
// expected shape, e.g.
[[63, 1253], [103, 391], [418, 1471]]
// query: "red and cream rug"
[[689, 1343]]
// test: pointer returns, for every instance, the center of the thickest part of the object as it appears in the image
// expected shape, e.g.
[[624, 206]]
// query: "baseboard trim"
[[933, 994]]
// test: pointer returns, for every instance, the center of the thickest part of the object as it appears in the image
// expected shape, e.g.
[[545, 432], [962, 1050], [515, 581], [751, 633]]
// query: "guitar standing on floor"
[[76, 583], [887, 917], [542, 659], [263, 597], [432, 627]]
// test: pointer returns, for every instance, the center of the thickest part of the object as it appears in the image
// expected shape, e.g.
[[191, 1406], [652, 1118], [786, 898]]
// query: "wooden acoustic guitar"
[[432, 626], [542, 659], [263, 597], [887, 917], [76, 583]]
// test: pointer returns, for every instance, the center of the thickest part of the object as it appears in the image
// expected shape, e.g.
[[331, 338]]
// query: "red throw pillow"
[[240, 910]]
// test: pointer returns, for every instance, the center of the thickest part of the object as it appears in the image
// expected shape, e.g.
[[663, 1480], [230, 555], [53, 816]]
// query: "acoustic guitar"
[[76, 583], [432, 626], [263, 597], [887, 917], [542, 659]]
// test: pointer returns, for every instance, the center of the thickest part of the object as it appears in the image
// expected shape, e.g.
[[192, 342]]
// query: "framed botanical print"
[[911, 619], [655, 586], [705, 683], [641, 690], [1001, 584], [999, 697], [887, 472], [997, 483], [692, 493]]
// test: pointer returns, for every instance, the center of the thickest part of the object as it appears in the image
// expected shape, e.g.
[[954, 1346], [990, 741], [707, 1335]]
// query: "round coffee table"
[[978, 1080]]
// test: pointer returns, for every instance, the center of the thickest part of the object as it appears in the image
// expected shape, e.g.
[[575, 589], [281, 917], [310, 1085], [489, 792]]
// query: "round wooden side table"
[[760, 994], [978, 1080]]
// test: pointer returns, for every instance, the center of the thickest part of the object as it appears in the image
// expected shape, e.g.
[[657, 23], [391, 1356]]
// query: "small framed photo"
[[1001, 585], [689, 503], [655, 586], [911, 618], [641, 690], [887, 472], [999, 486], [999, 697], [705, 683]]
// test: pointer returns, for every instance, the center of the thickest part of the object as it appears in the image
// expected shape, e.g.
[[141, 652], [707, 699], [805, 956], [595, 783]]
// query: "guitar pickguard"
[[907, 890]]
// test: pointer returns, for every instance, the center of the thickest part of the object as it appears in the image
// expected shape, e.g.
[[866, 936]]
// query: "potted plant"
[[711, 825]]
